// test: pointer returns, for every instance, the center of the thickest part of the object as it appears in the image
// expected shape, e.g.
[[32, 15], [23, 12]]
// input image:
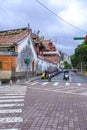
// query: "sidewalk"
[[82, 73], [26, 81], [19, 81]]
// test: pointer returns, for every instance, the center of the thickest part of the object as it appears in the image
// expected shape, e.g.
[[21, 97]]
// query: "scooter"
[[43, 76], [66, 76]]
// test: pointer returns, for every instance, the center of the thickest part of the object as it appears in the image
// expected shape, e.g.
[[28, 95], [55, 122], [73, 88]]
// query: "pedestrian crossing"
[[65, 87], [11, 106]]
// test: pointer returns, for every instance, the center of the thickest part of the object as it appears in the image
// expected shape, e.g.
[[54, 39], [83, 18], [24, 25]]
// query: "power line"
[[59, 17]]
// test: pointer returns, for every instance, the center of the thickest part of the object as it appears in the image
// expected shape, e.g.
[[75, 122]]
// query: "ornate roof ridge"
[[12, 31]]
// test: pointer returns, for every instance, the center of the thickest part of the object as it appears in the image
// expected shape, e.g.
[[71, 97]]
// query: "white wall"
[[44, 65], [26, 49], [33, 50], [22, 44]]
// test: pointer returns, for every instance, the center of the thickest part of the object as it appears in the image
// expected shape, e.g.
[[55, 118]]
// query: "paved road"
[[44, 106], [65, 87], [74, 78]]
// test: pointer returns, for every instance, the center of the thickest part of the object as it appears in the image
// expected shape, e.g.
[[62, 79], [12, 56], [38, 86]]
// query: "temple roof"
[[9, 37], [49, 45], [52, 58]]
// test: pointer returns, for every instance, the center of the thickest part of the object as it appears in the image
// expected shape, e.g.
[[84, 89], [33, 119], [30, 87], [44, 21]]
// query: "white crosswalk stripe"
[[11, 111], [56, 83], [11, 103], [67, 84], [9, 129], [11, 119], [45, 83], [12, 100], [2, 97], [79, 84]]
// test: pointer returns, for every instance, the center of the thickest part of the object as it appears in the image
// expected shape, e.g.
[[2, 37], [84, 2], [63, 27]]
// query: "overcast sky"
[[18, 13]]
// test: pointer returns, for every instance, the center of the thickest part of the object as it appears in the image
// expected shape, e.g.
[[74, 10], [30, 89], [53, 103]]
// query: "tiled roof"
[[8, 37], [47, 41], [49, 45], [52, 58]]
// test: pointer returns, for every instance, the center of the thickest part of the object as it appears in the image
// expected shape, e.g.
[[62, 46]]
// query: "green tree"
[[73, 61], [80, 56], [67, 65], [84, 42], [81, 52]]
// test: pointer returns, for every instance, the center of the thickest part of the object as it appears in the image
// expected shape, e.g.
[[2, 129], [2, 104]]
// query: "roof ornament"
[[37, 33], [28, 27]]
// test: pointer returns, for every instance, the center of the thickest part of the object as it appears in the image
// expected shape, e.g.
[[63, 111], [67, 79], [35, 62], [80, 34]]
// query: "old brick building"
[[17, 45], [9, 40]]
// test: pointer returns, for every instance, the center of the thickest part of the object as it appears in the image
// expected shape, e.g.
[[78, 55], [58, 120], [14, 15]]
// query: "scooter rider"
[[66, 75]]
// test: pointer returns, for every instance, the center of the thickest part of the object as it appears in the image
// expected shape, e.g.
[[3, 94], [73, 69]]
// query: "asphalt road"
[[73, 78]]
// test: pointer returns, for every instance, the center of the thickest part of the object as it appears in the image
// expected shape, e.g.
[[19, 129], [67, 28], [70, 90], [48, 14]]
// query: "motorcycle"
[[66, 76]]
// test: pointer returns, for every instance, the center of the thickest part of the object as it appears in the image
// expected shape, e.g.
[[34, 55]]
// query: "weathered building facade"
[[21, 50]]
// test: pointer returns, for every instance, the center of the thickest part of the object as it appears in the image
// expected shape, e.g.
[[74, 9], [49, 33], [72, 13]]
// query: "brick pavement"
[[41, 109], [47, 110]]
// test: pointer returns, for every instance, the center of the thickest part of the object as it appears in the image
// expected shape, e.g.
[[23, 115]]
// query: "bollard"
[[49, 77], [10, 82], [0, 83]]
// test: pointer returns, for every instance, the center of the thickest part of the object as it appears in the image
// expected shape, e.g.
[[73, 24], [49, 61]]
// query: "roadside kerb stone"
[[33, 79]]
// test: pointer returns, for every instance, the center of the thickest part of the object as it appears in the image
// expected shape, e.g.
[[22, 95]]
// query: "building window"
[[0, 65]]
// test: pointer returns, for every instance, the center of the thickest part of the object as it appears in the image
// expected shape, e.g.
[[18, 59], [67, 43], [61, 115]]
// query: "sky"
[[57, 20]]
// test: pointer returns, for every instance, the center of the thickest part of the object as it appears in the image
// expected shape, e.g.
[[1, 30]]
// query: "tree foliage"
[[80, 56], [73, 60], [67, 65]]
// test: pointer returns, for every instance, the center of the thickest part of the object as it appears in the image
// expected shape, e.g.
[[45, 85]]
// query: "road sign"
[[79, 38]]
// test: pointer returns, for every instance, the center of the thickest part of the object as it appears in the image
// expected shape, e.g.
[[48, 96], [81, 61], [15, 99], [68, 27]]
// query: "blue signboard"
[[14, 54]]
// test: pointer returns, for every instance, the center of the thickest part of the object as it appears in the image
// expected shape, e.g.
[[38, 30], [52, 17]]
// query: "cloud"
[[64, 48], [18, 13], [74, 14]]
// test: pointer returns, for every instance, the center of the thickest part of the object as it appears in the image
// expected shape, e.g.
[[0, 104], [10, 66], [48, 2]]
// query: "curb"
[[32, 79], [21, 82]]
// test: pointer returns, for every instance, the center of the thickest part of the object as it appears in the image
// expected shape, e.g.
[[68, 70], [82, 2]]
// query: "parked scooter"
[[43, 76]]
